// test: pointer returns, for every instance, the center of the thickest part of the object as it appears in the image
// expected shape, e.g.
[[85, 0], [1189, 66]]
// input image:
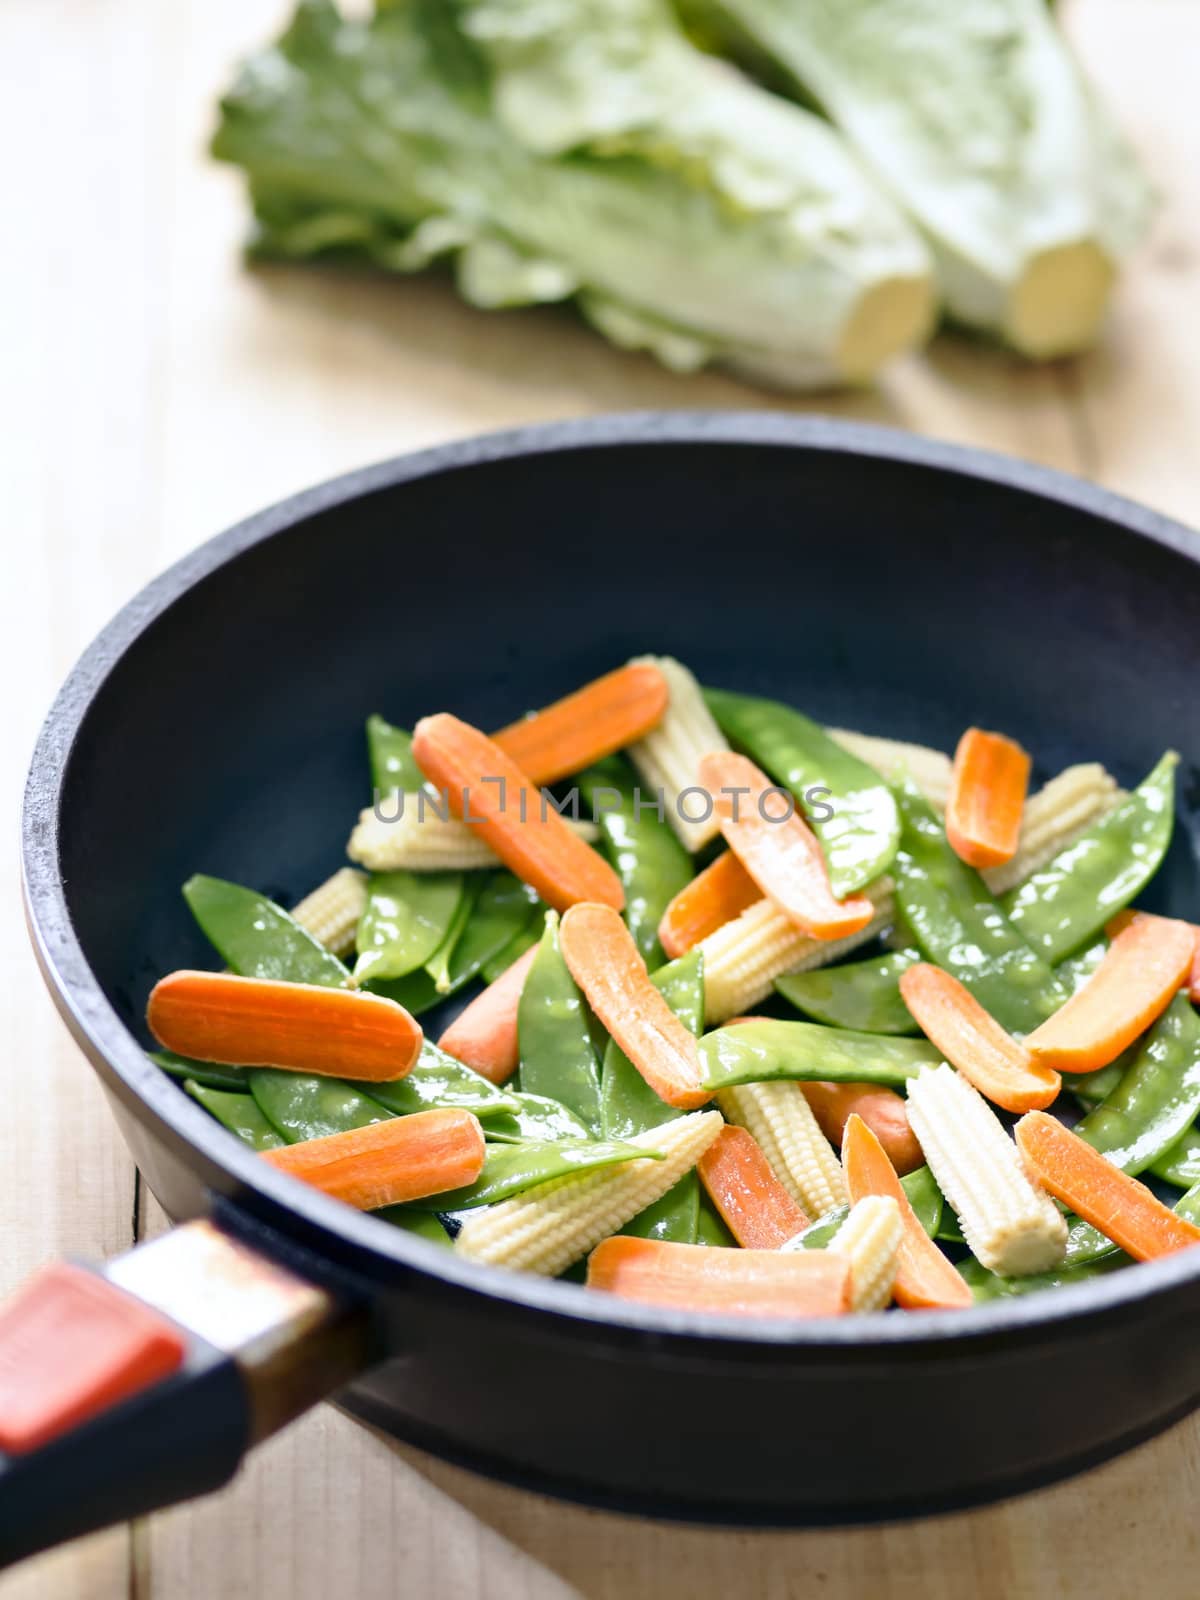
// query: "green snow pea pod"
[[1180, 1164], [495, 966], [301, 1106], [503, 908], [818, 1234], [240, 1113], [438, 965], [949, 1230], [1093, 1087], [864, 995], [423, 1223], [535, 1117], [649, 860], [985, 1285], [557, 1058], [439, 1080], [210, 1074], [408, 915], [629, 1105], [510, 1169], [760, 1052], [257, 938], [1158, 1097], [710, 1224], [959, 925], [389, 752], [860, 838], [925, 1198], [1061, 907]]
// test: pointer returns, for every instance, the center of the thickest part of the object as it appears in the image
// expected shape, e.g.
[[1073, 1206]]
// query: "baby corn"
[[548, 1228], [801, 1157], [1010, 1223], [668, 757], [870, 1240], [743, 959], [929, 769], [1058, 813], [332, 911], [417, 838]]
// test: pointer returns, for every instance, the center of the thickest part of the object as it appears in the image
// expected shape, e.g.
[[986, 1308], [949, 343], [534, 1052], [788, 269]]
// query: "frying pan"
[[881, 582]]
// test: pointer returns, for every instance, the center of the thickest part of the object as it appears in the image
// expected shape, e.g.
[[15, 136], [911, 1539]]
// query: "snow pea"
[[649, 860], [423, 1223], [1061, 907], [557, 1058], [534, 1116], [408, 915], [864, 995], [516, 947], [210, 1074], [300, 1106], [860, 838], [438, 965], [1093, 1087], [760, 1052], [389, 752], [1180, 1164], [1158, 1097], [240, 1113], [629, 1105], [710, 1225], [510, 1169], [439, 1080], [504, 908], [959, 925], [818, 1234], [256, 937]]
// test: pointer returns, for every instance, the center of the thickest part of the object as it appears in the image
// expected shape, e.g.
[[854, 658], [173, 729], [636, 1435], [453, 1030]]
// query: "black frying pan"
[[880, 582]]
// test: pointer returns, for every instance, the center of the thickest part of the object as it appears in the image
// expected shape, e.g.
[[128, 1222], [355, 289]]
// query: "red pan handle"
[[131, 1387]]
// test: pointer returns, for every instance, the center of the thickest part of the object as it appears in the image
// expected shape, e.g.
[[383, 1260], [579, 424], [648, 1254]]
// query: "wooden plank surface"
[[155, 392]]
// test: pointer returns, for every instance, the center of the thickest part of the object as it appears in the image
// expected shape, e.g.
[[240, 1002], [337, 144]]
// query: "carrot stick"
[[604, 961], [405, 1158], [304, 1027], [714, 897], [778, 848], [974, 1042], [603, 716], [757, 1209], [484, 1034], [883, 1110], [925, 1280], [987, 798], [695, 1277], [488, 791], [1144, 967], [1124, 918], [1122, 1208]]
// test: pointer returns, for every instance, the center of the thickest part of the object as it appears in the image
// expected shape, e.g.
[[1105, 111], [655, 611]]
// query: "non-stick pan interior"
[[876, 593]]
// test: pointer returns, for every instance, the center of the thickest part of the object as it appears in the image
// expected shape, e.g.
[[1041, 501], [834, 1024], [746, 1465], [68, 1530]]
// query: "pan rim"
[[378, 1251]]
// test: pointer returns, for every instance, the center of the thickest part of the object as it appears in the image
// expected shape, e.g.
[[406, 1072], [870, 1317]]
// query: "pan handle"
[[133, 1386]]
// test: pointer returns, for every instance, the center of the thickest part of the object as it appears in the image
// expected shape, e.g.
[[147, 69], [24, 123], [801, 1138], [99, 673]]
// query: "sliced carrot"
[[925, 1280], [484, 1034], [883, 1111], [1124, 918], [987, 798], [489, 792], [605, 963], [714, 897], [695, 1277], [405, 1158], [1122, 1208], [303, 1027], [605, 715], [757, 1209], [777, 847], [974, 1042], [1144, 967]]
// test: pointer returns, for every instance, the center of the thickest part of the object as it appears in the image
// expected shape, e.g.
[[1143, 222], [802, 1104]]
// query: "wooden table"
[[157, 392]]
